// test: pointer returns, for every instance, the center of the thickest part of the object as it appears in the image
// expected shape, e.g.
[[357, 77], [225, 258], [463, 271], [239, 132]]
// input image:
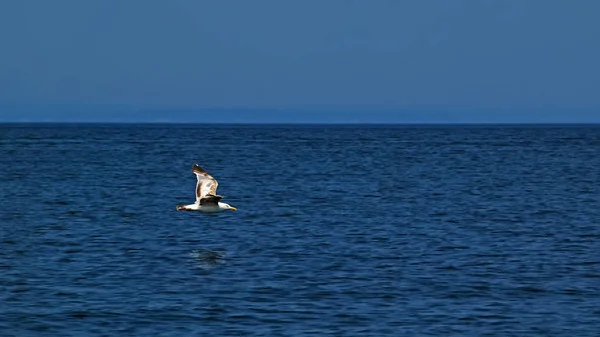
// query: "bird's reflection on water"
[[207, 259]]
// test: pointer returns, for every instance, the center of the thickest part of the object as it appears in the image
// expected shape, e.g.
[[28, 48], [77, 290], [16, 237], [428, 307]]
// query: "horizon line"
[[302, 123]]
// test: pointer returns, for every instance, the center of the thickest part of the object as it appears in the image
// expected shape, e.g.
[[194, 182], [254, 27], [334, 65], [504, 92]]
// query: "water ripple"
[[339, 231]]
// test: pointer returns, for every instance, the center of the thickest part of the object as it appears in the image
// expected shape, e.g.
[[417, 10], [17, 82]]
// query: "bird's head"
[[231, 208]]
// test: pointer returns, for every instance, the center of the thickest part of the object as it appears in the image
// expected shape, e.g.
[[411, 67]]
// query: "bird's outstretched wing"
[[206, 185], [211, 200]]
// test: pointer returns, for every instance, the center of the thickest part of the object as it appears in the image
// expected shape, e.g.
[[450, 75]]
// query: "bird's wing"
[[206, 185], [212, 200]]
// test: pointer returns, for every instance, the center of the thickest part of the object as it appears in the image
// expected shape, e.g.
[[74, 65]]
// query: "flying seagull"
[[207, 200]]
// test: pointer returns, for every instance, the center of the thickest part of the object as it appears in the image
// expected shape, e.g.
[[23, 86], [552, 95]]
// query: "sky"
[[300, 61]]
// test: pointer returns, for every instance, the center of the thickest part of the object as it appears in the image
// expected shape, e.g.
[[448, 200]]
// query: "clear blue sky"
[[317, 60]]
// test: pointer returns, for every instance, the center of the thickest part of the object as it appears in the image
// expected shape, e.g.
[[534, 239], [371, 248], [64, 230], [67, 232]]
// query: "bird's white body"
[[220, 207], [207, 200]]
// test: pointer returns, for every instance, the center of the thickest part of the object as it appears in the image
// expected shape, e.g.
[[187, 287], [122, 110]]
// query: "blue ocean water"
[[340, 230]]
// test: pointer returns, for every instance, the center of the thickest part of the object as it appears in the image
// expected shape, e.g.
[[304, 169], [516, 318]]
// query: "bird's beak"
[[233, 208]]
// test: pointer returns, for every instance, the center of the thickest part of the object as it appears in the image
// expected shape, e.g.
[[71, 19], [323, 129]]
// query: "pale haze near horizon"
[[323, 61]]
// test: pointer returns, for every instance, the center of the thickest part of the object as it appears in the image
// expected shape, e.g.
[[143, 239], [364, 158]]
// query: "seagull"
[[207, 200]]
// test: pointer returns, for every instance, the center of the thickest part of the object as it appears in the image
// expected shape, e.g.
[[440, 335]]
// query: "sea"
[[340, 230]]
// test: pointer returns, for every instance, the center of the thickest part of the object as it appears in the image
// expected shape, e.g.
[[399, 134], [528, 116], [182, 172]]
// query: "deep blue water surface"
[[346, 231]]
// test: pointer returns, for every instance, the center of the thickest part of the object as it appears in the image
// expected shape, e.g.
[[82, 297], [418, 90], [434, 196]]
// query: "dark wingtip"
[[197, 168]]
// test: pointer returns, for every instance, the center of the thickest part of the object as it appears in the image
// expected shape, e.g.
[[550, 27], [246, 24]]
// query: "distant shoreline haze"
[[295, 116]]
